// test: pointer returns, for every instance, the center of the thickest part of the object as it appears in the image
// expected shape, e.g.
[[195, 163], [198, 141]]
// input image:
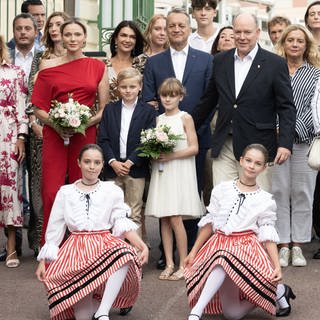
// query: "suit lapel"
[[191, 60], [135, 118], [117, 115], [230, 72], [254, 70], [167, 63]]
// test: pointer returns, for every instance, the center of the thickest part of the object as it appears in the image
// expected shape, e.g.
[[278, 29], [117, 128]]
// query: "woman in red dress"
[[86, 79]]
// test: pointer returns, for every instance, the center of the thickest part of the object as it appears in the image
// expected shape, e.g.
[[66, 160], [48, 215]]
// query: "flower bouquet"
[[69, 115], [155, 141]]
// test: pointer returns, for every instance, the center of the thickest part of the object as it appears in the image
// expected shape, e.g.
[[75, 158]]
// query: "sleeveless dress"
[[80, 78], [174, 190]]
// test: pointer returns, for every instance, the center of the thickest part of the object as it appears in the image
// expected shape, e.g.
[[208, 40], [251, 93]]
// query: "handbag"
[[314, 154]]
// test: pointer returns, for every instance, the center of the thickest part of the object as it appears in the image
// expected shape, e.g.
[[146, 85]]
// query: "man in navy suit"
[[119, 137], [253, 90], [193, 68]]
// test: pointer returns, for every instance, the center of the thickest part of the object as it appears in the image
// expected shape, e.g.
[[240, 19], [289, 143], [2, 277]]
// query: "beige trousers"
[[226, 167]]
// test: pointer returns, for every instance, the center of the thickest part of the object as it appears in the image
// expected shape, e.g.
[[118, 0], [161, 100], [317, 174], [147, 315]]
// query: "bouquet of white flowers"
[[155, 141], [71, 115]]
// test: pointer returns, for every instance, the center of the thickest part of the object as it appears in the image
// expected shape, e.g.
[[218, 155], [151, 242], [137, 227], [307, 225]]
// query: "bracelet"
[[32, 123]]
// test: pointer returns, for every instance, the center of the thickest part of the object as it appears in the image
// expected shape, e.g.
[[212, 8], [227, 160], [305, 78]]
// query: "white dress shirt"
[[198, 42], [179, 59], [126, 116], [24, 61], [242, 67]]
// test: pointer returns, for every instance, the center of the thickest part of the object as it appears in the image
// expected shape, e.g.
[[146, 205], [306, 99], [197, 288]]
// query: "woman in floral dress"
[[13, 127]]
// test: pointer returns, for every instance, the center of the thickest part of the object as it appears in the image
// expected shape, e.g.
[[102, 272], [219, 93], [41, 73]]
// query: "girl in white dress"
[[237, 268], [173, 191], [93, 264]]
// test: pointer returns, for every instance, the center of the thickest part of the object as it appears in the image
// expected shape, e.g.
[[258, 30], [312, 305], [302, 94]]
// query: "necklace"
[[89, 184], [247, 185]]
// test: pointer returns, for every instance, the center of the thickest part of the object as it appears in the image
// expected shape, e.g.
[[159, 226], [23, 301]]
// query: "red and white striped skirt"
[[245, 261], [85, 262]]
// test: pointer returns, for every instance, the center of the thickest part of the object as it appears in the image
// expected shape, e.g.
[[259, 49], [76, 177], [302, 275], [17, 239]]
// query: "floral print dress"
[[13, 121]]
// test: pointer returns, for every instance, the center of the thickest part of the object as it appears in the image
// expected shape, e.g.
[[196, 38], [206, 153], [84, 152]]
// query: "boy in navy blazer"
[[119, 137]]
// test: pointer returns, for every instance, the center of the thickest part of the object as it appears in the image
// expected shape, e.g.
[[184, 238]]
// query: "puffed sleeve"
[[212, 208], [55, 231], [266, 221], [120, 215]]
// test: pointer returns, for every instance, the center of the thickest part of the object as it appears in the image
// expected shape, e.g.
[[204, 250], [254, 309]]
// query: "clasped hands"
[[121, 168]]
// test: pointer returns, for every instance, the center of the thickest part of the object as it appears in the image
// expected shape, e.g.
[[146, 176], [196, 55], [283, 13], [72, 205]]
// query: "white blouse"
[[103, 208], [231, 210]]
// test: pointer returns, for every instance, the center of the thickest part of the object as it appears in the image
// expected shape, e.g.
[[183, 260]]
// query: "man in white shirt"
[[37, 10], [24, 34], [204, 11]]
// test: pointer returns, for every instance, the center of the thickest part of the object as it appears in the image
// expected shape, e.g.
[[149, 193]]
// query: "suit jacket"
[[196, 77], [252, 116], [143, 117]]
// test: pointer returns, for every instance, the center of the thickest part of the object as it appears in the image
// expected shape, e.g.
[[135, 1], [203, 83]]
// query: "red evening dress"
[[80, 78]]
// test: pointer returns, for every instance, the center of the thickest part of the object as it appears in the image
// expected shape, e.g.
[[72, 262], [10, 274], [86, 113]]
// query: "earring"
[[115, 47]]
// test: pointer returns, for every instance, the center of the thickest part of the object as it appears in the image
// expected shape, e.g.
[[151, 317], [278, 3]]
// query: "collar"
[[184, 51], [17, 52], [195, 35], [251, 55], [132, 106]]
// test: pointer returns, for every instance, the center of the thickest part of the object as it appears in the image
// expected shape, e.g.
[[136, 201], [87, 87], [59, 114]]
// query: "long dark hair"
[[140, 42], [214, 48], [306, 15]]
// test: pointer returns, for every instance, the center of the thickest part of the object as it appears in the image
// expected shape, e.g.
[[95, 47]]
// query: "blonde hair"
[[171, 87], [148, 30], [4, 54], [311, 54], [129, 73]]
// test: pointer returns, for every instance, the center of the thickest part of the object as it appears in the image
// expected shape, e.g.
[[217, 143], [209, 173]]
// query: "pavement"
[[22, 296]]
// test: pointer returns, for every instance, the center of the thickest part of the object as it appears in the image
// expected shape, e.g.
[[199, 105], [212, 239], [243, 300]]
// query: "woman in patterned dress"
[[237, 268], [13, 128], [126, 45]]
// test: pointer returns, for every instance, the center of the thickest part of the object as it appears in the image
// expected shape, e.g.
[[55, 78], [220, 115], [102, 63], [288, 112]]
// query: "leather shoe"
[[3, 255], [161, 264], [125, 311], [317, 255], [288, 294]]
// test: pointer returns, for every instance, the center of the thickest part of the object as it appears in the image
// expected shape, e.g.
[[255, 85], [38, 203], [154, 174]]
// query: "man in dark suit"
[[193, 68], [253, 90]]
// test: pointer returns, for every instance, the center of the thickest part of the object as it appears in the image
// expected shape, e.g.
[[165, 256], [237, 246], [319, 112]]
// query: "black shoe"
[[317, 255], [125, 311], [288, 294], [161, 264], [3, 255]]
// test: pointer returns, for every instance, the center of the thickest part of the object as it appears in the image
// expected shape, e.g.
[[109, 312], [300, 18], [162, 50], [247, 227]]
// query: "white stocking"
[[233, 308], [112, 288], [85, 308], [281, 299], [212, 285]]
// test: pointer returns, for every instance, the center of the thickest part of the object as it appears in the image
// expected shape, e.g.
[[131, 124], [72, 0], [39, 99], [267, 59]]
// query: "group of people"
[[244, 118]]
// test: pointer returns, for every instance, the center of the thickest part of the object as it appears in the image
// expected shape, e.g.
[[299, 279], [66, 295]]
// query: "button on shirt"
[[242, 67], [179, 59], [126, 116], [24, 61]]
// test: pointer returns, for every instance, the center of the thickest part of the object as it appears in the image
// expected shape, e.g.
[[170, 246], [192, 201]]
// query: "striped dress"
[[241, 221], [91, 254]]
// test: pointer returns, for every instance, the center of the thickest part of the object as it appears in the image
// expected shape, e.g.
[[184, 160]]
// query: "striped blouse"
[[303, 84]]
